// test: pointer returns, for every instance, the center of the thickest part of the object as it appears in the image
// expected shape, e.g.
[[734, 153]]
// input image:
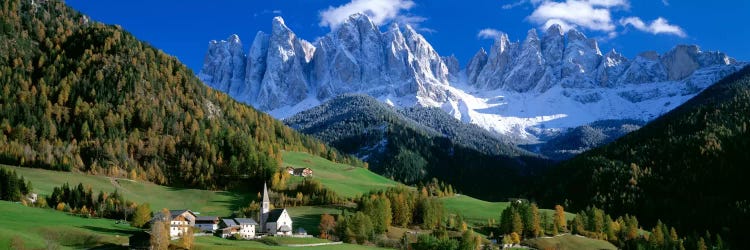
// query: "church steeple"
[[265, 207], [265, 196]]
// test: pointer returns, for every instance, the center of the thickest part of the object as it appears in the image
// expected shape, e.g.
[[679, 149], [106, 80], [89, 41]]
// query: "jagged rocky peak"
[[498, 63], [255, 67], [553, 46], [532, 39], [581, 56], [612, 66], [475, 65], [224, 65], [451, 62], [613, 59], [284, 82], [527, 68], [682, 60], [427, 61]]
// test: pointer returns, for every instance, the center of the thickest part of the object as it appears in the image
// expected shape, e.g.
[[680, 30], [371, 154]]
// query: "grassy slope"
[[568, 242], [204, 201], [308, 217], [477, 211], [37, 225], [346, 180]]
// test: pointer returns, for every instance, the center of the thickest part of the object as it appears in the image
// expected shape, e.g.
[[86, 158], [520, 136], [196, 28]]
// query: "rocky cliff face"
[[555, 80]]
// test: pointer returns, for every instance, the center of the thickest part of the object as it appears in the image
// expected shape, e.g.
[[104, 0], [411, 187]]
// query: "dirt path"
[[114, 182]]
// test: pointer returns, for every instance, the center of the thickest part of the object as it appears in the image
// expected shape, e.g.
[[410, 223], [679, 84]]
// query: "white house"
[[179, 221], [275, 221], [207, 223], [246, 227], [228, 228]]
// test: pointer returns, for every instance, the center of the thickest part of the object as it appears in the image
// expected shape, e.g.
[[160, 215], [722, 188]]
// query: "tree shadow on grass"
[[309, 222], [239, 197], [110, 230], [109, 246]]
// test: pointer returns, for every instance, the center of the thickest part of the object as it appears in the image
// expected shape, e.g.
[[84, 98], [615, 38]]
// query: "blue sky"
[[184, 28]]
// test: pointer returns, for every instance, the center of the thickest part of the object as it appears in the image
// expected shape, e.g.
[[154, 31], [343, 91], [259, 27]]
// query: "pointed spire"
[[265, 193]]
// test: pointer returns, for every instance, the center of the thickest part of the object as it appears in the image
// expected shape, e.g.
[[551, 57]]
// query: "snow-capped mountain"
[[522, 88]]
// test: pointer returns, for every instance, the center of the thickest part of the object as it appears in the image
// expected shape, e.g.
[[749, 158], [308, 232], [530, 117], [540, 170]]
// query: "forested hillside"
[[396, 146], [687, 168], [574, 141], [83, 96]]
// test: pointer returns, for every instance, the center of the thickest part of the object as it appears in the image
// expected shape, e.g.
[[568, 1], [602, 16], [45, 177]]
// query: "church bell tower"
[[265, 207]]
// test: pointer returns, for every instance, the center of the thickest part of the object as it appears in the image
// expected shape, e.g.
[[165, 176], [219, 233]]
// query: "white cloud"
[[276, 12], [379, 12], [489, 33], [610, 3], [513, 5], [589, 14], [658, 26], [665, 2]]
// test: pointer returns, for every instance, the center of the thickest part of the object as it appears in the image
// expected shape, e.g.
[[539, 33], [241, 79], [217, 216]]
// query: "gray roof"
[[274, 215], [172, 214], [245, 221], [206, 218], [229, 222]]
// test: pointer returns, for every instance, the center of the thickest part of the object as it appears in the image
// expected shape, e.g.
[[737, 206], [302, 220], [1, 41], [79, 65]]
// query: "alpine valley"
[[528, 91], [366, 137]]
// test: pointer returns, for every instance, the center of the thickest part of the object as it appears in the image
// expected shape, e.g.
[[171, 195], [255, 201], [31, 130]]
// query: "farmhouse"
[[228, 228], [304, 172], [207, 223], [289, 170], [276, 221], [179, 221], [246, 227]]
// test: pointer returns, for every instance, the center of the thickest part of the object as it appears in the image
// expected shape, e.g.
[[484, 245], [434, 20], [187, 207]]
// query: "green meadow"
[[346, 180]]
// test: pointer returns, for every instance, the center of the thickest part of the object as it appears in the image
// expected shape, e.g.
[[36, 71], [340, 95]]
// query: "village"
[[273, 222]]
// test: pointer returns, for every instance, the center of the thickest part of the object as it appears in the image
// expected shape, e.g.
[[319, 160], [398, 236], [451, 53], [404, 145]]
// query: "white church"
[[276, 221]]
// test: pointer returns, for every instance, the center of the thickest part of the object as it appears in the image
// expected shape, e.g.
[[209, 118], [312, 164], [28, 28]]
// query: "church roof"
[[274, 215]]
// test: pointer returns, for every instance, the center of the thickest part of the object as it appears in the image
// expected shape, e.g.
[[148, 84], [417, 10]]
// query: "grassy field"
[[346, 180], [568, 242], [219, 203], [308, 217], [206, 242], [477, 211], [40, 227]]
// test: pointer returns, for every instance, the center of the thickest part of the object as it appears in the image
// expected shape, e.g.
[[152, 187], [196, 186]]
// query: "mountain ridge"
[[564, 77]]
